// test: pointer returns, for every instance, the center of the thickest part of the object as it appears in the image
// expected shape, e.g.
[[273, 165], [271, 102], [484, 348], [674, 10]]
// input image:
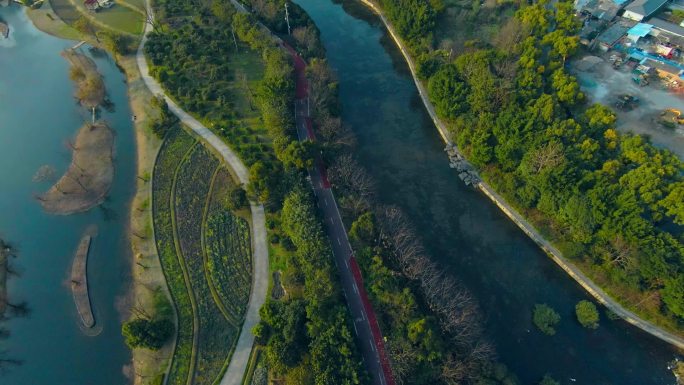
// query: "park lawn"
[[137, 4], [119, 18], [248, 70]]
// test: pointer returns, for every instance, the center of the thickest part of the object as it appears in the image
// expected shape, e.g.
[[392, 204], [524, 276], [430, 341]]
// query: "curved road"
[[522, 223], [240, 358]]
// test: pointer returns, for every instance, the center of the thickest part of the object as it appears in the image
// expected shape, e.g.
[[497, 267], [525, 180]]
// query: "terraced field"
[[202, 288]]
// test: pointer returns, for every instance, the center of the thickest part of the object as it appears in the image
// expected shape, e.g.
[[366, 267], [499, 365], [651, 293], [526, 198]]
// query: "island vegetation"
[[88, 179], [587, 314], [8, 308], [611, 202], [545, 318], [90, 87]]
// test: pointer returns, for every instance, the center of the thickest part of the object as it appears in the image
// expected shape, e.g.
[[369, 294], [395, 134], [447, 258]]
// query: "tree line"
[[609, 200]]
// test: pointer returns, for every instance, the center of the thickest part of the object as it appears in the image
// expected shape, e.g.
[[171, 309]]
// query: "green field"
[[119, 18], [187, 206]]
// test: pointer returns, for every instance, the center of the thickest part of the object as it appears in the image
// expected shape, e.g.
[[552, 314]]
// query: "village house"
[[643, 9]]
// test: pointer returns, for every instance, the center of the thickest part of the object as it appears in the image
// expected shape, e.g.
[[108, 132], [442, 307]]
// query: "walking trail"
[[240, 358], [572, 270]]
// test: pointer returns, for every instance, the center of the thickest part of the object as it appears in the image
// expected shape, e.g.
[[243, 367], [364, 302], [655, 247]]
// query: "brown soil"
[[90, 88], [89, 177]]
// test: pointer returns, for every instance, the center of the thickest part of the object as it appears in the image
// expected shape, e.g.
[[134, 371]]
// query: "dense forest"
[[610, 201]]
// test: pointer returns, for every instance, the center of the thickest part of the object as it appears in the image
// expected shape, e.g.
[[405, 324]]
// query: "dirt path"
[[240, 359], [525, 226]]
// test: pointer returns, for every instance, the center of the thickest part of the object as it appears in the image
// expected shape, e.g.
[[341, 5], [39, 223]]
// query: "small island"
[[90, 174], [90, 87], [79, 280]]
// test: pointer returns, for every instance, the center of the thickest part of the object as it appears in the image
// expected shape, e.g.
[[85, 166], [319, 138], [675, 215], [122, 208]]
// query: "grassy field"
[[462, 21], [119, 18]]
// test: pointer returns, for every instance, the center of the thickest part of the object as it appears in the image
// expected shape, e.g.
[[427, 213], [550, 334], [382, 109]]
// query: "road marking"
[[346, 263], [338, 241], [326, 201], [370, 341], [356, 290], [331, 221], [355, 331]]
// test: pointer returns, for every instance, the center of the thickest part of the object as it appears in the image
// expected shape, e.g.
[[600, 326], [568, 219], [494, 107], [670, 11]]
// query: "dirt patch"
[[89, 177], [603, 84], [79, 279], [90, 87]]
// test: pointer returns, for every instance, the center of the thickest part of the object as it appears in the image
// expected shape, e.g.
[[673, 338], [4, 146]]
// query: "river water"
[[505, 270], [37, 115]]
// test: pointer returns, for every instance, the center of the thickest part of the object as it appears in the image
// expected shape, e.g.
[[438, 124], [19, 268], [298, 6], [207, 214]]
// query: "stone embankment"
[[79, 280], [459, 162]]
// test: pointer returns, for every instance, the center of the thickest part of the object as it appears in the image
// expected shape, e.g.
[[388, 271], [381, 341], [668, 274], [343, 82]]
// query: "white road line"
[[346, 263], [355, 330], [370, 341], [338, 241], [356, 289], [325, 200]]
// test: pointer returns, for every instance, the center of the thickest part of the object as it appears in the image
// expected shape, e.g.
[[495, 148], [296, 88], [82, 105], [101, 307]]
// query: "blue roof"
[[619, 2], [640, 30]]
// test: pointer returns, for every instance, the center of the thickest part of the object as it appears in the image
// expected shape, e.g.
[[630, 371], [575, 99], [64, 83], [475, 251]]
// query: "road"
[[525, 226], [368, 334], [240, 358]]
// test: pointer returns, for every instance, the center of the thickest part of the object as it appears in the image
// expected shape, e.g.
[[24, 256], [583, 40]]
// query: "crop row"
[[173, 150], [216, 333], [229, 258]]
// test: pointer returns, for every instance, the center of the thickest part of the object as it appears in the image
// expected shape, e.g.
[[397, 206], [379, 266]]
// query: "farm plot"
[[216, 334], [177, 144], [228, 251]]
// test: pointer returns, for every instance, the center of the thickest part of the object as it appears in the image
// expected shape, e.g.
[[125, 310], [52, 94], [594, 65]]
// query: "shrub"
[[587, 314], [144, 333], [548, 380], [545, 318]]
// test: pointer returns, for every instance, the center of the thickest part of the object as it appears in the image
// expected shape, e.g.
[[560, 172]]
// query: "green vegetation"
[[587, 314], [182, 200], [144, 333], [548, 380], [545, 318], [171, 153], [118, 19], [611, 202], [310, 337]]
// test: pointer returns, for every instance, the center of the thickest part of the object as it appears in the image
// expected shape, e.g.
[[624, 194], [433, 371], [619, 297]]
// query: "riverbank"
[[518, 219], [89, 177], [146, 269]]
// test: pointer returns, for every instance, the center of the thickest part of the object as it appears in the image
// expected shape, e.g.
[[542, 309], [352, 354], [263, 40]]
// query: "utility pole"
[[234, 41], [287, 18]]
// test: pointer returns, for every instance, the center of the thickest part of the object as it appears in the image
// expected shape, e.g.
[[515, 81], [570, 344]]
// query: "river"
[[504, 269], [38, 113]]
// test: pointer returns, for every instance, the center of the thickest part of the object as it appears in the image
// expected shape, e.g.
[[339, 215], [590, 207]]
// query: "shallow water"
[[504, 269], [37, 115]]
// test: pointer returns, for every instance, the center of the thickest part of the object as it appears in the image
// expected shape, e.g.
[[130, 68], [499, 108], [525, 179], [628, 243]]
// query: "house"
[[105, 3], [664, 70], [604, 10], [642, 9], [4, 30], [638, 31], [666, 27], [607, 39], [91, 5]]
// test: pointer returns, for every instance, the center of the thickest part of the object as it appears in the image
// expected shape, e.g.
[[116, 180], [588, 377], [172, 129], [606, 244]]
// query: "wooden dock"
[[79, 282]]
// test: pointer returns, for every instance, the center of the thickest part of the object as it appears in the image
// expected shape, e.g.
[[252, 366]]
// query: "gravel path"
[[240, 359]]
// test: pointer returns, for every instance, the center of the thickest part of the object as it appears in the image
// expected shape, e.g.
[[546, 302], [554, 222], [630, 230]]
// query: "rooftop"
[[645, 7], [667, 26]]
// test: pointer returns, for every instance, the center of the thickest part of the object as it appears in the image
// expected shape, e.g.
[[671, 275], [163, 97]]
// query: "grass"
[[227, 251], [460, 22], [216, 334], [177, 144], [118, 18]]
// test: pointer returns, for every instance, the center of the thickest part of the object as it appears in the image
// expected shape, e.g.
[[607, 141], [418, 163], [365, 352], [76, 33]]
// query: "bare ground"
[[603, 84], [90, 88], [89, 177]]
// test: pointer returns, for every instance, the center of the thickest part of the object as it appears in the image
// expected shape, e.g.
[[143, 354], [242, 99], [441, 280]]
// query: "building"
[[642, 9], [4, 30], [638, 31], [664, 70], [607, 39]]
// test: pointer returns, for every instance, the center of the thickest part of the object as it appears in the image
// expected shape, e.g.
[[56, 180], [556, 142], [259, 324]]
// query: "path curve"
[[572, 270], [240, 358]]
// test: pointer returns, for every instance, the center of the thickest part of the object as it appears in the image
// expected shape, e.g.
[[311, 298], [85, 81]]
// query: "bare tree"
[[350, 176], [548, 156]]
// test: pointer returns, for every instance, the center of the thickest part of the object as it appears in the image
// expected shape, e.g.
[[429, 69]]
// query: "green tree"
[[545, 318], [673, 295], [237, 198], [149, 334], [587, 314], [448, 92], [548, 380]]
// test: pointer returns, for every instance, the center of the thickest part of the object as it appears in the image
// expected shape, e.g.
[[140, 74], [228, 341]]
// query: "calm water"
[[37, 114], [504, 269]]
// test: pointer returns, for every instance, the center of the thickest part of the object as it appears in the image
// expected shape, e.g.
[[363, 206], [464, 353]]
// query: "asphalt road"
[[240, 358], [342, 252]]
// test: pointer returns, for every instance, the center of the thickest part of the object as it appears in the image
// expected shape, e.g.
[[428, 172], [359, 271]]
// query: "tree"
[[587, 314], [673, 295], [149, 334], [545, 318], [237, 198], [448, 92], [83, 25], [548, 380]]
